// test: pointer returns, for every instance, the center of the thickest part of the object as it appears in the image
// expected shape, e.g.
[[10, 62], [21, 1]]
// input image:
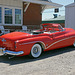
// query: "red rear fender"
[[26, 44]]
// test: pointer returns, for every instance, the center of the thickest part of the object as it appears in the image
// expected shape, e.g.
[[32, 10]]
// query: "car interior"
[[48, 29]]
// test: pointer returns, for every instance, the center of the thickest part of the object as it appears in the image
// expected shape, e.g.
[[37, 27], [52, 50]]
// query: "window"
[[8, 16], [17, 16], [0, 15]]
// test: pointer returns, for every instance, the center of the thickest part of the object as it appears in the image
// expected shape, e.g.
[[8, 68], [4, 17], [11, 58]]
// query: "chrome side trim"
[[59, 41], [33, 42], [49, 45]]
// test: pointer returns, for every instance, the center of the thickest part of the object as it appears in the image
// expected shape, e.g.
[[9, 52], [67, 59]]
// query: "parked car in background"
[[49, 37]]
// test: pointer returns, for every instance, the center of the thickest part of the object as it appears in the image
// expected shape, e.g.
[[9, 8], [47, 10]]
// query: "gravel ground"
[[55, 62]]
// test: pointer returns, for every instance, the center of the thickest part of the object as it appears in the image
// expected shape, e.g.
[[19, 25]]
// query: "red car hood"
[[16, 36]]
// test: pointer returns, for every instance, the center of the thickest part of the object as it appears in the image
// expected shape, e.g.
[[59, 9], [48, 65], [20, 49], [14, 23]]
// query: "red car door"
[[58, 40]]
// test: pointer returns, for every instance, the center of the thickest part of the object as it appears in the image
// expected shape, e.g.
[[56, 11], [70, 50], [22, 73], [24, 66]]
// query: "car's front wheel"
[[36, 51], [74, 44]]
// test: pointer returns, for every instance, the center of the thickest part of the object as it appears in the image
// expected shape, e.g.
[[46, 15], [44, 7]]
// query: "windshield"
[[51, 27]]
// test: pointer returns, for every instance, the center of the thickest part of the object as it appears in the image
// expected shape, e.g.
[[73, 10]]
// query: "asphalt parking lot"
[[55, 62]]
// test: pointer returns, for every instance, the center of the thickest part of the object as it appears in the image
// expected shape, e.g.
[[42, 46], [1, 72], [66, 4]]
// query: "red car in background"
[[49, 37]]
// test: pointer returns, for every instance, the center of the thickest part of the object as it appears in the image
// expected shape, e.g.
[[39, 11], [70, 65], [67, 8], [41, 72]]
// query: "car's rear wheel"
[[36, 51], [74, 44]]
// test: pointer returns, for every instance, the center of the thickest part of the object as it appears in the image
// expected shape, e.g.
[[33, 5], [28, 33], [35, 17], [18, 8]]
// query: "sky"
[[48, 13]]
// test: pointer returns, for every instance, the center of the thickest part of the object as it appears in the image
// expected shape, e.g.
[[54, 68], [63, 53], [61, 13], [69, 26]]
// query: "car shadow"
[[25, 59]]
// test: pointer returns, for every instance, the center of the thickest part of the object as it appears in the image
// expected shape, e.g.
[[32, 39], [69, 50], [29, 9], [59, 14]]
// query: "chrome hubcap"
[[35, 50]]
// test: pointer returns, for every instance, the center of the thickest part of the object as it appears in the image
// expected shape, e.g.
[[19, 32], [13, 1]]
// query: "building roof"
[[70, 5], [55, 19], [48, 3]]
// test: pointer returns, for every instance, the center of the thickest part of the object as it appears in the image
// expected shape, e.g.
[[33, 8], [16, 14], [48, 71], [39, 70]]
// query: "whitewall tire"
[[74, 44], [36, 51]]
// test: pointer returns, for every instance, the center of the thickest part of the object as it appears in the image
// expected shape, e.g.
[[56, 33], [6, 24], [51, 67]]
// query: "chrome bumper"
[[3, 51]]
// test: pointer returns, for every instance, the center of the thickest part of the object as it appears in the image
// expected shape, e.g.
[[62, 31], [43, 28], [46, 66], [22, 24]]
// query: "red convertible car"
[[49, 37]]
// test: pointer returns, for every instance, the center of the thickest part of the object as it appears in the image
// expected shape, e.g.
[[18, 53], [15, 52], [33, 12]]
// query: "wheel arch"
[[42, 45]]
